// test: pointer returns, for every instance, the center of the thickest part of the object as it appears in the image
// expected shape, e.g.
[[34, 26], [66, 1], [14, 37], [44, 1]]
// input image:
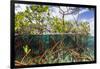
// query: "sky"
[[84, 15]]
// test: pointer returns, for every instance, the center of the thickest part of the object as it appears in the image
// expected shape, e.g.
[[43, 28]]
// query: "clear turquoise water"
[[36, 41]]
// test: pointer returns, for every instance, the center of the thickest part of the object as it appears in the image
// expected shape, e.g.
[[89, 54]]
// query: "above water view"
[[50, 34]]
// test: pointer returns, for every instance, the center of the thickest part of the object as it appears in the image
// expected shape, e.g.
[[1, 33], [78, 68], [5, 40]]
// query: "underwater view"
[[48, 34]]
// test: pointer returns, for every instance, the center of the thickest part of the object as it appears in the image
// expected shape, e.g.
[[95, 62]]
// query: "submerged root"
[[57, 54]]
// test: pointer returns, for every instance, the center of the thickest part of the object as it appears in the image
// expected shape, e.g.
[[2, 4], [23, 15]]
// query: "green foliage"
[[26, 49], [37, 19], [84, 27], [57, 25], [31, 19]]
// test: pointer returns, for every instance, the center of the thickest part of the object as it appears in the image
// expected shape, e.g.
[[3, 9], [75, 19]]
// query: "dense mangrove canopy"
[[38, 19]]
